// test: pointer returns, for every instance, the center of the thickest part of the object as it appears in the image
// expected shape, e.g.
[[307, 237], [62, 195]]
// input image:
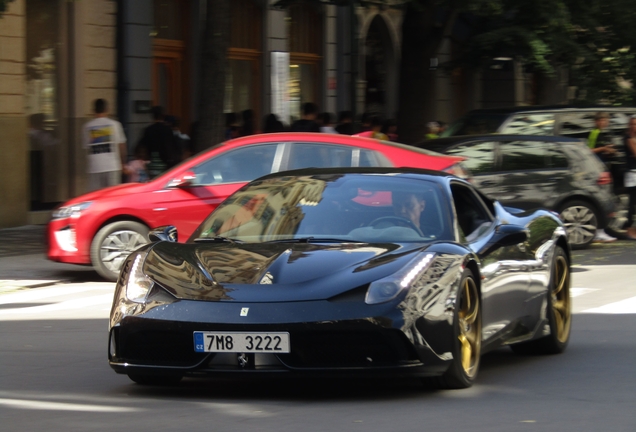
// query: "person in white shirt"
[[105, 143]]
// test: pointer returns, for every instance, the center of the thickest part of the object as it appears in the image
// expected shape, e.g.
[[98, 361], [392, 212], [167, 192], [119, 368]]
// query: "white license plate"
[[241, 342]]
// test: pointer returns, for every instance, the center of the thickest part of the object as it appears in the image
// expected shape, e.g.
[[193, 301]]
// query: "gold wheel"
[[561, 306], [469, 327]]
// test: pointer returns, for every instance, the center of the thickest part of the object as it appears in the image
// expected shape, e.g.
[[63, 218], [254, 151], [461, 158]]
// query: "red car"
[[102, 228]]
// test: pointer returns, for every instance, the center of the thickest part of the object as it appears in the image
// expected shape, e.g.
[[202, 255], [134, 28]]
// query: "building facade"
[[58, 56]]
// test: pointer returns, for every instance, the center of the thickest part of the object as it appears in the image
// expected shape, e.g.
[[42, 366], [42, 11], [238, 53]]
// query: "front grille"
[[348, 349]]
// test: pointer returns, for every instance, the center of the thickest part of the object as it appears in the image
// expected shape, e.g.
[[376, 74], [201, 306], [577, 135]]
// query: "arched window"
[[305, 62]]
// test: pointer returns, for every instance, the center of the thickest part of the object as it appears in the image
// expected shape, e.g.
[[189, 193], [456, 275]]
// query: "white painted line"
[[627, 306], [62, 406], [576, 292], [42, 293], [104, 299]]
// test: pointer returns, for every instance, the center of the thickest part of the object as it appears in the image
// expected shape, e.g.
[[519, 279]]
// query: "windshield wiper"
[[217, 239]]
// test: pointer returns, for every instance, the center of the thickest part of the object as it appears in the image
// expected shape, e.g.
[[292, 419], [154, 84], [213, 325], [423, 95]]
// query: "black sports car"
[[344, 271]]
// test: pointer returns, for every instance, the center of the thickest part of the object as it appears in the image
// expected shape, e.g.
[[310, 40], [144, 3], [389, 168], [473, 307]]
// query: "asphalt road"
[[54, 375]]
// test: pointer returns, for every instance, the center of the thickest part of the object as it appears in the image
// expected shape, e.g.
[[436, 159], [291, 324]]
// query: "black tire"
[[466, 337], [155, 380], [113, 243], [559, 311], [581, 222]]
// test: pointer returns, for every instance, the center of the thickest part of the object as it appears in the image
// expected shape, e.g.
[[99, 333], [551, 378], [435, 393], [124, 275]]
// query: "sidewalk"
[[18, 242], [24, 240]]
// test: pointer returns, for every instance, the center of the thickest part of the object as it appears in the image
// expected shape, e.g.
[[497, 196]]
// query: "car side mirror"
[[163, 233], [184, 180], [509, 235]]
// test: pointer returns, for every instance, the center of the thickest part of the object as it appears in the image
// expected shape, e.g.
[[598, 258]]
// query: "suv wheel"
[[580, 221]]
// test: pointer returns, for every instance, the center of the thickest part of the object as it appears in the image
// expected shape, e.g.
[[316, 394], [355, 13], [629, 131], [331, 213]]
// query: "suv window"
[[530, 124], [579, 124], [480, 156], [240, 165], [523, 155], [556, 157]]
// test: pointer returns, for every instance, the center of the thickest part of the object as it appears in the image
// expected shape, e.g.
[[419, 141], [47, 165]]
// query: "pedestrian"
[[432, 130], [181, 144], [248, 123], [232, 128], [630, 176], [442, 127], [345, 123], [601, 145], [271, 124], [105, 142], [389, 128], [598, 140], [376, 129], [327, 126], [157, 139], [135, 170], [365, 122], [307, 123]]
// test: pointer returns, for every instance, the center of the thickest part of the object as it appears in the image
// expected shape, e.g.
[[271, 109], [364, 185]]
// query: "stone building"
[[58, 56]]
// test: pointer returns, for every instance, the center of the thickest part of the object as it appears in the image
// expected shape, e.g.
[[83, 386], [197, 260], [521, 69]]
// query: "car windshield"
[[475, 124], [331, 208]]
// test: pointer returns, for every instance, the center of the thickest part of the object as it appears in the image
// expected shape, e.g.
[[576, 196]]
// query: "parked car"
[[560, 120], [531, 171], [421, 282], [101, 228]]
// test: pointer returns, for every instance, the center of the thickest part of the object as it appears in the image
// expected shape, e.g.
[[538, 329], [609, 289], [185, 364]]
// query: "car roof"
[[437, 176], [449, 141], [555, 108]]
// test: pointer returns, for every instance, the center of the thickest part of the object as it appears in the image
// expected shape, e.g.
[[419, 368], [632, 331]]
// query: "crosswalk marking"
[[83, 302], [627, 306], [50, 292]]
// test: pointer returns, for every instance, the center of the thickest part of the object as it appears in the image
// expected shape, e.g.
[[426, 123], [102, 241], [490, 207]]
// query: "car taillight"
[[458, 170], [604, 179]]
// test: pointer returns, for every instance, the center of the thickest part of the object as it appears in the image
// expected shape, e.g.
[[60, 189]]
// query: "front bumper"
[[63, 243], [148, 344]]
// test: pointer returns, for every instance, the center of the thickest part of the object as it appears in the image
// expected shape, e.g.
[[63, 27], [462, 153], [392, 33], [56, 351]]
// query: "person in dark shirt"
[[271, 124], [629, 143], [157, 139], [308, 121], [345, 123]]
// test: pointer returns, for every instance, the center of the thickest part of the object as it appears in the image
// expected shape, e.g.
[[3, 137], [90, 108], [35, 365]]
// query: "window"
[[473, 218], [480, 156], [530, 124], [555, 156], [240, 165], [523, 155], [305, 62], [370, 158], [242, 81], [303, 155]]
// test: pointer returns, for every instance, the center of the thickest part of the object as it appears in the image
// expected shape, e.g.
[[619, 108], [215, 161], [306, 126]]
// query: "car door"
[[505, 275], [527, 180], [481, 162], [215, 180]]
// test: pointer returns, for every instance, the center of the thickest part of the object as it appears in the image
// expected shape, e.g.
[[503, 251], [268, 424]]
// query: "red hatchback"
[[101, 228]]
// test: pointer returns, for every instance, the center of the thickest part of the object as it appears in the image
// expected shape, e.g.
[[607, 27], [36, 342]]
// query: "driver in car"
[[408, 205]]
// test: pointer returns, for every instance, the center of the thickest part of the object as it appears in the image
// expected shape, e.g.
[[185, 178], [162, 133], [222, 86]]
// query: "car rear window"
[[476, 124]]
